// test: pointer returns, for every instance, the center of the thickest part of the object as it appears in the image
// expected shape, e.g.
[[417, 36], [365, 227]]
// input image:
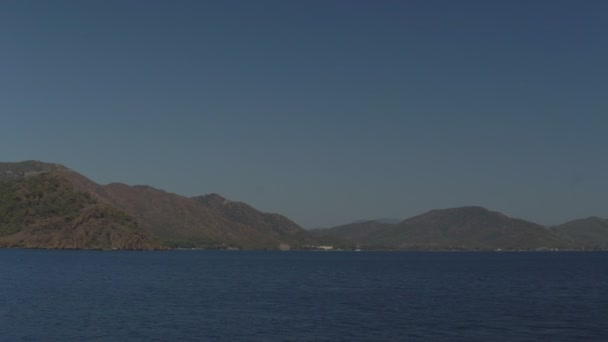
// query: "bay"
[[52, 295]]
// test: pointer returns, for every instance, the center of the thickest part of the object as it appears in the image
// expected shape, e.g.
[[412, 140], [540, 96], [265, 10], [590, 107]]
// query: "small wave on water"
[[302, 296]]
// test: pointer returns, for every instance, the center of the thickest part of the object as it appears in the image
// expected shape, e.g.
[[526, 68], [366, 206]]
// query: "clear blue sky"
[[325, 111]]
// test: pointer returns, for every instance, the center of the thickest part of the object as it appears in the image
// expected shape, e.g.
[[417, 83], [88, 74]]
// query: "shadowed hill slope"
[[356, 233], [468, 228], [591, 232], [464, 228]]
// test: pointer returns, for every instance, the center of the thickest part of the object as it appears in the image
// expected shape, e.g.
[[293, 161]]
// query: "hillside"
[[45, 211], [194, 222], [464, 228], [591, 232], [46, 205], [278, 227], [355, 233], [13, 171], [177, 221]]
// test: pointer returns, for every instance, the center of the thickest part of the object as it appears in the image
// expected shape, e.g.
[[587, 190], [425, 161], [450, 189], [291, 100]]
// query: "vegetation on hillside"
[[12, 171], [27, 200], [591, 232], [464, 228], [45, 211], [50, 206]]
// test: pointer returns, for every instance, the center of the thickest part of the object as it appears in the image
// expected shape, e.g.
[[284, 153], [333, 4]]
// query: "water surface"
[[302, 296]]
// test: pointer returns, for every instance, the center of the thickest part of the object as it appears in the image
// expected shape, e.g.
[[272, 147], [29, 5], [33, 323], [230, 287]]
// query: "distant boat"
[[357, 249]]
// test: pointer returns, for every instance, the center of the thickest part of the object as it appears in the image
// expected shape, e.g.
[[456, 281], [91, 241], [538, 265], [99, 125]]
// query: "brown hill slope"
[[191, 222], [276, 226], [175, 220], [44, 210]]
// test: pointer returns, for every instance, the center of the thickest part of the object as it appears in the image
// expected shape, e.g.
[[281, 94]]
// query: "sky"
[[324, 111]]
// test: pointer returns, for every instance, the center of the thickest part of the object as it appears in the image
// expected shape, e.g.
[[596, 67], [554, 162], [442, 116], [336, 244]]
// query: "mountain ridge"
[[179, 221], [463, 228], [144, 217], [591, 231]]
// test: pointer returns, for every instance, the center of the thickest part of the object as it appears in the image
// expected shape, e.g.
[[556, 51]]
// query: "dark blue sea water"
[[302, 296]]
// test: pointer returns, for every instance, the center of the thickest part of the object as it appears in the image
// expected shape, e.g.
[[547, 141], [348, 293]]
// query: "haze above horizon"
[[324, 111]]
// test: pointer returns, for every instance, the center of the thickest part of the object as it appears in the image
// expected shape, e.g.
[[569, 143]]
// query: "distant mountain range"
[[590, 232], [471, 228], [45, 205]]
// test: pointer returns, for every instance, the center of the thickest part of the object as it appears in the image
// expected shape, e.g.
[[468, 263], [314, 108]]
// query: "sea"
[[54, 295]]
